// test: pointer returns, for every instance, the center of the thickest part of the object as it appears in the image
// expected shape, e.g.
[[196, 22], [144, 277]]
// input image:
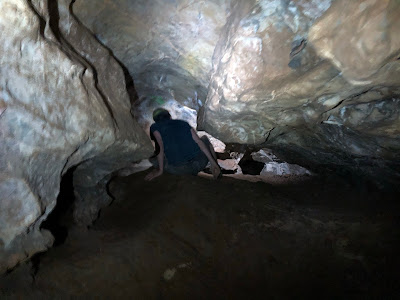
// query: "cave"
[[299, 99]]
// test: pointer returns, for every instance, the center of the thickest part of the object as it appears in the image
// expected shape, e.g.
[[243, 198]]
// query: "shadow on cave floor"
[[193, 238]]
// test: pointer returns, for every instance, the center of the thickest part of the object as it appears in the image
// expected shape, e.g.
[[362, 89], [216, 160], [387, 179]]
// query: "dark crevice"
[[337, 105], [35, 263], [54, 18], [269, 134], [108, 191], [129, 83], [60, 218], [340, 102]]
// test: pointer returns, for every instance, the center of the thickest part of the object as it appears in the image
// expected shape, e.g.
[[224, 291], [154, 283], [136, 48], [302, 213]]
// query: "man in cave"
[[179, 150]]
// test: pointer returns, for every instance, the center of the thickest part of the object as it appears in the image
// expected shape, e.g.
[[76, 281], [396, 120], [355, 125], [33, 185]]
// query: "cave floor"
[[195, 238]]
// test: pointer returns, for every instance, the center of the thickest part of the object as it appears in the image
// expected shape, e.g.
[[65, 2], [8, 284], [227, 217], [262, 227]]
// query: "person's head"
[[161, 114]]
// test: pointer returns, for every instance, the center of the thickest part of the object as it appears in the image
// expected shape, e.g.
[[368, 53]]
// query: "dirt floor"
[[195, 238]]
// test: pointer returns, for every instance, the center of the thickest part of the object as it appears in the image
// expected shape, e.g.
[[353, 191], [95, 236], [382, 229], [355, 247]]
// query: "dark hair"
[[161, 114]]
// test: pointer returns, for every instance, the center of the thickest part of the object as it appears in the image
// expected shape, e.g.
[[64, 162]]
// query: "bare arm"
[[215, 169], [160, 158]]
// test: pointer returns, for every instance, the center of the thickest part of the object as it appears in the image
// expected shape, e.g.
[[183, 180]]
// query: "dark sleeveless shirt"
[[179, 146]]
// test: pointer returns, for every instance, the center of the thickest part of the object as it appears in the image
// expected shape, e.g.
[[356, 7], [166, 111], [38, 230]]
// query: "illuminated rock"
[[274, 72], [64, 104], [167, 46]]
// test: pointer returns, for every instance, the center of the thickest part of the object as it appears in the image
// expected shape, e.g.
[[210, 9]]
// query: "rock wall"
[[297, 63], [306, 75], [167, 46], [63, 103], [317, 81]]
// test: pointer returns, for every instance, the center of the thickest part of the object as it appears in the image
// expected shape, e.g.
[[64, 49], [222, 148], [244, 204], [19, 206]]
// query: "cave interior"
[[300, 100]]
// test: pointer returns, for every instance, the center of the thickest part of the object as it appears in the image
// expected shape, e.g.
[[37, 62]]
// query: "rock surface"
[[301, 76], [255, 88], [167, 46], [63, 103]]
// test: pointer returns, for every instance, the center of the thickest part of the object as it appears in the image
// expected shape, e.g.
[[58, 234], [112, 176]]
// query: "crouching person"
[[179, 149]]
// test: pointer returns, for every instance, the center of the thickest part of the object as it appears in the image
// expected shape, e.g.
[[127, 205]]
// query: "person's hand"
[[153, 174], [216, 170]]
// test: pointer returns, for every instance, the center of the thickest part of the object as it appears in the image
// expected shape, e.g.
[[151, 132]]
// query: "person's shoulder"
[[160, 124], [153, 127], [182, 122]]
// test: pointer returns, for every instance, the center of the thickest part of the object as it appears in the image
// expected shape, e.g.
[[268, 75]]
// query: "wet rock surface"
[[189, 237]]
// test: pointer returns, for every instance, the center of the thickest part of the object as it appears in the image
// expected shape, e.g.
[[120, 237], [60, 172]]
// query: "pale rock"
[[63, 104], [167, 46], [281, 169], [359, 37]]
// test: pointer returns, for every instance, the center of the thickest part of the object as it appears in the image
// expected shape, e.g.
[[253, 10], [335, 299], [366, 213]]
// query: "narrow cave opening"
[[60, 219]]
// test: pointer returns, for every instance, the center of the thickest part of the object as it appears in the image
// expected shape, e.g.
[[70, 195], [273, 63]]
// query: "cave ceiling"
[[307, 73]]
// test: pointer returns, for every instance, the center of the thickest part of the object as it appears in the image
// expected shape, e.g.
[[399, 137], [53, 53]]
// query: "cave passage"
[[60, 218], [183, 237]]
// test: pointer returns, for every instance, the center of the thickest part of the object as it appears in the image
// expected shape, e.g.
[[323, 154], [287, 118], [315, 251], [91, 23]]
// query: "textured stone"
[[19, 208], [253, 89], [322, 103], [277, 67], [63, 103], [166, 45], [359, 37]]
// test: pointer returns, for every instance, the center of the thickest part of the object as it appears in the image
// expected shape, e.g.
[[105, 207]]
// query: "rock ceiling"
[[283, 72]]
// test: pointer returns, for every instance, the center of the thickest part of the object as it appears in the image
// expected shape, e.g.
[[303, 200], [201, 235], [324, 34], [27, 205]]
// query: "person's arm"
[[160, 158], [215, 169]]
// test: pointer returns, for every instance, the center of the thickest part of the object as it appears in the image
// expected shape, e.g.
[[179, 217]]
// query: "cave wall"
[[63, 103], [302, 63], [317, 81], [167, 46]]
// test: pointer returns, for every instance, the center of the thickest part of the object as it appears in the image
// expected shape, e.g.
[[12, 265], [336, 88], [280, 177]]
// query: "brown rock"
[[358, 37]]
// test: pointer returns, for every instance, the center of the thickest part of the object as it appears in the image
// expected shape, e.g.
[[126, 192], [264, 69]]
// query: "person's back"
[[179, 146]]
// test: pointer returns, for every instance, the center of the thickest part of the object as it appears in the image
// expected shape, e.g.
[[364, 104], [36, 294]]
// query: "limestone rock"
[[63, 103], [267, 67], [333, 100], [167, 46], [254, 87], [359, 37]]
